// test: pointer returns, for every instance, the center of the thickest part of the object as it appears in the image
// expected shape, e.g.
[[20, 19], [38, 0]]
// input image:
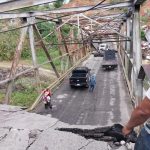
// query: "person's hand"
[[126, 130]]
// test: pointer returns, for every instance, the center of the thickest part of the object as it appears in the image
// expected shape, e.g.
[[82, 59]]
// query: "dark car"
[[98, 54], [110, 59], [80, 77]]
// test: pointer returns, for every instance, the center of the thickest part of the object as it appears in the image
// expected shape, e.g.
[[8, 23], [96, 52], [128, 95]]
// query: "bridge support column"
[[33, 51], [128, 23], [128, 52], [137, 55]]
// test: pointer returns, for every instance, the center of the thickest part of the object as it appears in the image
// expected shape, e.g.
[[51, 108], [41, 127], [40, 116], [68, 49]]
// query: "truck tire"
[[87, 86], [71, 86]]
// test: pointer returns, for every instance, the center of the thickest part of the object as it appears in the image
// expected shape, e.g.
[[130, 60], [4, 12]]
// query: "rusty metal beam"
[[45, 50], [85, 8], [13, 5], [83, 42], [109, 16], [27, 3], [24, 15], [15, 63], [107, 27]]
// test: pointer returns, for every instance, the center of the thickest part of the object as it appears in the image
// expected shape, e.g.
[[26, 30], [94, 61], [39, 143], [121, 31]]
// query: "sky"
[[66, 1]]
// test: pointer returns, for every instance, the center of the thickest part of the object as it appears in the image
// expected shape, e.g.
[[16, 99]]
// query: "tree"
[[58, 3]]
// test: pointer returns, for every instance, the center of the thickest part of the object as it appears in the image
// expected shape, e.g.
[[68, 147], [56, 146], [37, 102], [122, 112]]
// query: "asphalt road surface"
[[108, 104]]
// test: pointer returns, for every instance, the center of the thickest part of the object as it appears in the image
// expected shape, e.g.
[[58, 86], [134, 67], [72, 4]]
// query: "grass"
[[146, 83], [41, 58], [26, 92], [24, 98], [2, 96]]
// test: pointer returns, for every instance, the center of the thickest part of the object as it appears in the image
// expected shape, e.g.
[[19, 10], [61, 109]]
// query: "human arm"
[[139, 115]]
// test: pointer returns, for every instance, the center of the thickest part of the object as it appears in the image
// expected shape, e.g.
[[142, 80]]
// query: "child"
[[47, 98]]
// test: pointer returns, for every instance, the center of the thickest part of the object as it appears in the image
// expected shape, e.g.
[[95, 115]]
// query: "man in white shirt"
[[139, 116]]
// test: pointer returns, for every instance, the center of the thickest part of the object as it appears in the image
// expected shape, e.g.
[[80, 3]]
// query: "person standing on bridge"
[[139, 116], [92, 82]]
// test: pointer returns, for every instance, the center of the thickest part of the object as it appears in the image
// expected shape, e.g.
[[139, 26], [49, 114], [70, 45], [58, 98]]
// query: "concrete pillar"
[[128, 23], [137, 54], [31, 20]]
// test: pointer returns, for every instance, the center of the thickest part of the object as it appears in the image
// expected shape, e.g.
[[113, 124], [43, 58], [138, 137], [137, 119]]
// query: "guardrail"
[[57, 82]]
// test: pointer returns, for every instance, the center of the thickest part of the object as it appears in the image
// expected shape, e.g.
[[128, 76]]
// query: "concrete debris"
[[20, 130]]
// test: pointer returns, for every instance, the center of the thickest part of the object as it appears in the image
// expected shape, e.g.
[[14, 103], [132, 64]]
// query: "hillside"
[[145, 12], [79, 3]]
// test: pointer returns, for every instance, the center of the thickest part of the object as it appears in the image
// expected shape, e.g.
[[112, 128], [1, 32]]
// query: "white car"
[[103, 47]]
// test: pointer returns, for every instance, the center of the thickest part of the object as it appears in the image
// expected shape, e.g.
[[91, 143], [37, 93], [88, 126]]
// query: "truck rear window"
[[79, 71], [79, 75]]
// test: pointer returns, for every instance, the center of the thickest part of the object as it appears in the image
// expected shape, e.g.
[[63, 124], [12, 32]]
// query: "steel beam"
[[109, 16], [85, 8], [137, 56], [107, 28], [27, 3], [13, 15], [17, 4], [4, 1], [128, 34], [138, 2], [15, 63]]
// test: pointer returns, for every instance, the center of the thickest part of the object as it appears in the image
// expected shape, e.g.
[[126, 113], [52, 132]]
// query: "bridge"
[[116, 91]]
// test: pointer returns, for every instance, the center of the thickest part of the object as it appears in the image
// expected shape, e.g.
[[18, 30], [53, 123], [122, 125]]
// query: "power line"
[[50, 19]]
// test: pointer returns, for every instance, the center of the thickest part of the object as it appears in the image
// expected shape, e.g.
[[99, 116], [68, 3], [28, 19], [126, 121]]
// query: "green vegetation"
[[143, 35], [2, 96], [75, 32], [26, 91], [58, 4], [46, 28], [25, 97], [144, 19], [146, 82], [116, 1], [66, 30], [41, 58], [8, 42]]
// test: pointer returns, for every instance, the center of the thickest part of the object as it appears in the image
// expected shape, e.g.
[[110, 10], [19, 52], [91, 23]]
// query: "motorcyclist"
[[47, 98]]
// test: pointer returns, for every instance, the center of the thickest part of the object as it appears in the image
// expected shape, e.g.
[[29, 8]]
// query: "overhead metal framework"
[[93, 23], [13, 5], [138, 2]]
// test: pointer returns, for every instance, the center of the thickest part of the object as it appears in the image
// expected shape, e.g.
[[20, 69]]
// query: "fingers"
[[126, 131]]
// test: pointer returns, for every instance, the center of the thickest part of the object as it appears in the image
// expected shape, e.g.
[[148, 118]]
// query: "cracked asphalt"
[[108, 104], [78, 108]]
